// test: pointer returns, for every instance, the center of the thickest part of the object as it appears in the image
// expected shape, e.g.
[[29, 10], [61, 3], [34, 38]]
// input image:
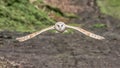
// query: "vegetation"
[[110, 7], [20, 15], [99, 25]]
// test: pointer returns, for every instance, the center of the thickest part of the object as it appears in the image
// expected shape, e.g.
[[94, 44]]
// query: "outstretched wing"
[[24, 38], [86, 32]]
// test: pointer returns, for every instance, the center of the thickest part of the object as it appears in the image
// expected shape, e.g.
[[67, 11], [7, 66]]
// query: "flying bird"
[[60, 27]]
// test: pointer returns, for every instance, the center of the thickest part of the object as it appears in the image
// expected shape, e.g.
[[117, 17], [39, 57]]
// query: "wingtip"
[[101, 38], [20, 40]]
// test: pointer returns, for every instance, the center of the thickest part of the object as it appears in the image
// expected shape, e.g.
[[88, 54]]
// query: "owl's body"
[[60, 27]]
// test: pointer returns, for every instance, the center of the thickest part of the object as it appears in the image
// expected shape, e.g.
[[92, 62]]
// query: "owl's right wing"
[[24, 38], [86, 32]]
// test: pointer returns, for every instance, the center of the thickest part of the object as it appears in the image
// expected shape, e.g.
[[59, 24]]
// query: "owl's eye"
[[58, 25], [61, 25]]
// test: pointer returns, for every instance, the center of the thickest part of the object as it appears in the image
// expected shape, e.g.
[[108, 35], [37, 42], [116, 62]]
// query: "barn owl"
[[60, 27]]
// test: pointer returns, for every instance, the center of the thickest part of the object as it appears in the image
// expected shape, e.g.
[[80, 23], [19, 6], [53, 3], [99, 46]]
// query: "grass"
[[99, 25], [20, 15], [110, 7]]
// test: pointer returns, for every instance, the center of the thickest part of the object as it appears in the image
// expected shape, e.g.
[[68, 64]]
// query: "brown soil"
[[64, 5], [76, 50]]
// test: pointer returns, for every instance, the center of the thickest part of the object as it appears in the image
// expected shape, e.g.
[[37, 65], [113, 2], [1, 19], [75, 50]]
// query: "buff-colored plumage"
[[86, 32], [60, 27], [24, 38]]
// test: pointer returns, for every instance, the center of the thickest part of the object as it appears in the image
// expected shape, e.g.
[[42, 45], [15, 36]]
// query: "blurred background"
[[32, 15], [59, 50]]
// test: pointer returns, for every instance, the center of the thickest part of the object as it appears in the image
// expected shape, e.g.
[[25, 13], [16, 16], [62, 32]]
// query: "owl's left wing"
[[24, 38], [86, 32]]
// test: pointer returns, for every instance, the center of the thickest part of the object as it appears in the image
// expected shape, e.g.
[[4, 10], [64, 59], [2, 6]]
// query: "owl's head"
[[60, 26]]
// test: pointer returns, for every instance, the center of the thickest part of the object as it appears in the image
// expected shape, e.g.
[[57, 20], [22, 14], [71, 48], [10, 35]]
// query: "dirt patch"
[[76, 50], [64, 5]]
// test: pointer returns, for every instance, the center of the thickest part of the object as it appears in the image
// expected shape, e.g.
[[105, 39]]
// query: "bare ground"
[[76, 50]]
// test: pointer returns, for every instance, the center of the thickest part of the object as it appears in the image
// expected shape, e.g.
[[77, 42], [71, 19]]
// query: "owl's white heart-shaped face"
[[60, 26]]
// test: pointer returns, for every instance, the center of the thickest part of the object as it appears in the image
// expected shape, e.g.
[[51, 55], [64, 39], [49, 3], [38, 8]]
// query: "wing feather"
[[24, 38], [86, 32]]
